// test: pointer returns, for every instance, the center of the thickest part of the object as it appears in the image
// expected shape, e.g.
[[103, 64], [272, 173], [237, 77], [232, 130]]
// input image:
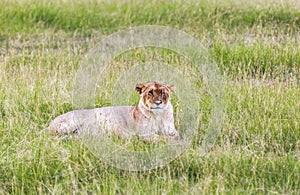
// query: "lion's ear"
[[139, 88], [171, 88]]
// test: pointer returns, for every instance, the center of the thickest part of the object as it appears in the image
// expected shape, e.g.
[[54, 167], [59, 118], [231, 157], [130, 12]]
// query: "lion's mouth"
[[156, 108]]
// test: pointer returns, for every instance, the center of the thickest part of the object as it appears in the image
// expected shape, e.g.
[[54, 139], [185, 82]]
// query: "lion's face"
[[155, 96]]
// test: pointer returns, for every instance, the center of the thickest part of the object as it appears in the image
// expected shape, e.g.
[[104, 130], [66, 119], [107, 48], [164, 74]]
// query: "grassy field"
[[256, 46]]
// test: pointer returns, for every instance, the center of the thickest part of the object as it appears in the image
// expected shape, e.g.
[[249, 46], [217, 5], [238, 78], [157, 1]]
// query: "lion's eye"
[[150, 93]]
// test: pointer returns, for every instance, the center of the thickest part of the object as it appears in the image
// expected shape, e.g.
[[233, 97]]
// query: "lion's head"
[[155, 96]]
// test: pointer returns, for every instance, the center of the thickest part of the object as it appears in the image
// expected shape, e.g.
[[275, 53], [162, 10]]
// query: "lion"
[[151, 117]]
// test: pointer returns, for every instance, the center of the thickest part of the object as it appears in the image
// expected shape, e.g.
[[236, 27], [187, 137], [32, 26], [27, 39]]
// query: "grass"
[[255, 46]]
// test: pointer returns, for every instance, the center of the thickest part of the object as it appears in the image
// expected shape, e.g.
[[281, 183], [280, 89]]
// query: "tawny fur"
[[151, 117]]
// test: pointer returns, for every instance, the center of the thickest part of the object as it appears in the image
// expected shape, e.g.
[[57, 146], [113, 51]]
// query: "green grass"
[[256, 48]]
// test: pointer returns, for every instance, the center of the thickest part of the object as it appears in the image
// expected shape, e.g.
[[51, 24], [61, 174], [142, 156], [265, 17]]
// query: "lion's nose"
[[157, 102]]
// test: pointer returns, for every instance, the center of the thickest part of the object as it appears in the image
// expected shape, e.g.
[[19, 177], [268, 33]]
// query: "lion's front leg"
[[169, 130], [147, 132], [173, 134]]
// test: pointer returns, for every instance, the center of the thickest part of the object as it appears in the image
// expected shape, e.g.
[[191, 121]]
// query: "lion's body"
[[144, 120]]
